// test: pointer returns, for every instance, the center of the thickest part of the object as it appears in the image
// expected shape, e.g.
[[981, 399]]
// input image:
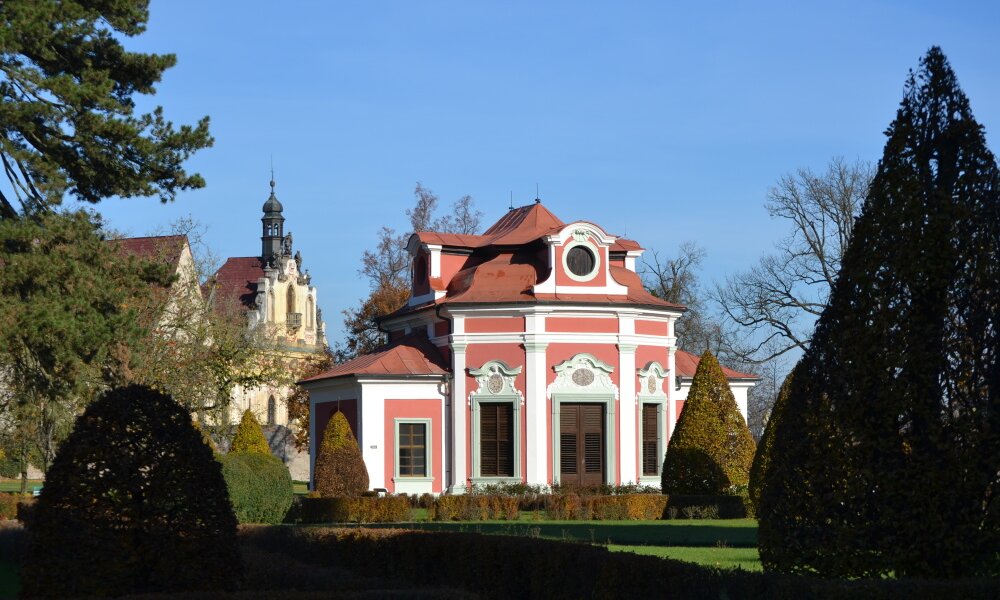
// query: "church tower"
[[273, 230]]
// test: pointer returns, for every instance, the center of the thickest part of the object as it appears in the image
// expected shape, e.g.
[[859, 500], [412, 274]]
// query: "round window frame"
[[593, 250]]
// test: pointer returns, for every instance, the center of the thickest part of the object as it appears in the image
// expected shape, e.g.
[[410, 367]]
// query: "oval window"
[[580, 261]]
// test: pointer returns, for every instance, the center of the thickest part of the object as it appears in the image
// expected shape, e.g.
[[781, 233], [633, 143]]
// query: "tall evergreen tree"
[[888, 455], [762, 457], [67, 103]]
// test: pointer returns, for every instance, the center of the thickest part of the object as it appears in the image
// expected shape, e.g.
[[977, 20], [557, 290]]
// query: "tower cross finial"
[[272, 173]]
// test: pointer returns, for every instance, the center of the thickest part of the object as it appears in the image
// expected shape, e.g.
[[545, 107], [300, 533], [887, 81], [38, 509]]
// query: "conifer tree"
[[68, 92], [762, 457], [886, 460], [340, 469], [711, 448], [249, 437]]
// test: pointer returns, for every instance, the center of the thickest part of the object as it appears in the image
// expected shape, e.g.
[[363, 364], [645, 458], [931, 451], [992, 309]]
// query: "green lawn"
[[9, 583], [734, 533], [14, 485], [724, 558], [723, 543]]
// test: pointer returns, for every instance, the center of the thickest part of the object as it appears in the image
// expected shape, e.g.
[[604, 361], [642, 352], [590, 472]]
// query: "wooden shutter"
[[496, 439], [650, 452], [592, 428], [568, 428]]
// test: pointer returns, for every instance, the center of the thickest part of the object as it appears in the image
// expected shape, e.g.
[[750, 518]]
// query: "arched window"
[[290, 300], [272, 411], [270, 306], [310, 311]]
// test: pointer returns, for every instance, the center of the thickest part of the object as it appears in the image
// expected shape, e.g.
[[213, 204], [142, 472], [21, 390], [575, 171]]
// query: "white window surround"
[[594, 250], [655, 373], [600, 389], [407, 484], [507, 393]]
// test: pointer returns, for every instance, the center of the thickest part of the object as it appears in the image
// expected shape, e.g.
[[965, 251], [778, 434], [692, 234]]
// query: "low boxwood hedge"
[[520, 567], [356, 509]]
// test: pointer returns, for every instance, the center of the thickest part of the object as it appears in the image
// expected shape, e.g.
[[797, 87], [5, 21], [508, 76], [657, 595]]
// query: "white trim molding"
[[586, 379], [652, 378], [414, 484], [496, 385]]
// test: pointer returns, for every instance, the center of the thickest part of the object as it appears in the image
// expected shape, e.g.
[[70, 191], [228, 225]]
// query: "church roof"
[[409, 355], [687, 364], [235, 283]]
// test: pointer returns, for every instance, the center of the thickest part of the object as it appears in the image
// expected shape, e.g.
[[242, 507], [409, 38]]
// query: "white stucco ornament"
[[584, 374], [495, 378]]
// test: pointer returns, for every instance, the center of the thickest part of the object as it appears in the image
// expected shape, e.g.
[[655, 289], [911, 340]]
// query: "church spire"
[[273, 227]]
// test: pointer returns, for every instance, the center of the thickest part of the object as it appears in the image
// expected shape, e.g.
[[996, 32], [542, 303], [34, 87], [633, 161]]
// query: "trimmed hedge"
[[711, 449], [260, 487], [249, 437], [9, 503], [476, 507], [340, 469], [626, 507], [521, 567], [134, 502], [351, 509], [725, 507]]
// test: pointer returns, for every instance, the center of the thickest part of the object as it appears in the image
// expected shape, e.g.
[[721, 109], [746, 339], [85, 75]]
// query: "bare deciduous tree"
[[387, 269], [776, 302]]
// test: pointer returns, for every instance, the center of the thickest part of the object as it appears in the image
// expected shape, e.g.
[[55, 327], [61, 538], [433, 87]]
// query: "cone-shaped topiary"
[[249, 437], [133, 503], [340, 470], [711, 448], [260, 487], [886, 459], [762, 457]]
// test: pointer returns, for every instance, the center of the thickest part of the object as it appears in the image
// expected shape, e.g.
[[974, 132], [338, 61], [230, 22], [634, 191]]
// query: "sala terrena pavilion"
[[530, 353]]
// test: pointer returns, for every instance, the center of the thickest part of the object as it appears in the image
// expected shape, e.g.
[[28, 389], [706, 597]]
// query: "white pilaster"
[[460, 438], [671, 385], [314, 443], [536, 415], [628, 446]]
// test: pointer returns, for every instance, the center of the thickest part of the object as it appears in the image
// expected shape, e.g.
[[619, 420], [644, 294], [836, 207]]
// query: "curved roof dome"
[[272, 204]]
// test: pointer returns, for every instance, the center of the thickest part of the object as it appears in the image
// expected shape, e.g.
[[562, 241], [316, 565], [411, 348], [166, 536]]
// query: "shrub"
[[627, 507], [133, 503], [340, 470], [475, 507], [260, 487], [354, 509], [711, 448], [762, 457], [9, 503], [249, 437], [499, 566], [719, 506], [886, 458]]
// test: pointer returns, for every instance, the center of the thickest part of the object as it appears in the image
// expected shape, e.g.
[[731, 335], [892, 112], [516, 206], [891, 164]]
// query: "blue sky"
[[665, 121]]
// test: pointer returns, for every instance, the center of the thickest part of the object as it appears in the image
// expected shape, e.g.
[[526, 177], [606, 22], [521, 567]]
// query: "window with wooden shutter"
[[650, 451], [496, 439], [412, 450]]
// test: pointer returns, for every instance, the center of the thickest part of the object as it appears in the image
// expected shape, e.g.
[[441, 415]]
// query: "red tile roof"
[[523, 225], [687, 364], [409, 355], [519, 226], [235, 283], [505, 265], [167, 248]]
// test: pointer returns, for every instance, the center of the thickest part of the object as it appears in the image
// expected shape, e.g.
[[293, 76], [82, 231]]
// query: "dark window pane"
[[580, 260]]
